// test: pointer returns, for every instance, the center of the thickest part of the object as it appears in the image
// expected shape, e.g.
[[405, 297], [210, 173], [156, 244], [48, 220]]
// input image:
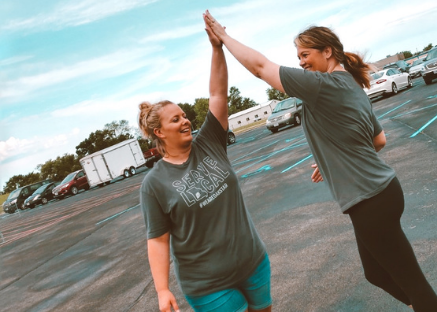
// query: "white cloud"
[[74, 13]]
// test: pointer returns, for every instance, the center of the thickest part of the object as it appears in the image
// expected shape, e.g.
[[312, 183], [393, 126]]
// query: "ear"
[[158, 133], [327, 52]]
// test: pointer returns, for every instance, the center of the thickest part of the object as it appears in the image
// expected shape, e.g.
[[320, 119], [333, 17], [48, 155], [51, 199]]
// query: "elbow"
[[379, 147]]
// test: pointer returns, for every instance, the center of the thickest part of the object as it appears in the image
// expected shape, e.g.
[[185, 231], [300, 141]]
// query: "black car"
[[41, 196], [231, 136], [403, 66]]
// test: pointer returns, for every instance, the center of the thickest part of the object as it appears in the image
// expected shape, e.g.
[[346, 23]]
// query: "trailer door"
[[138, 153], [101, 171]]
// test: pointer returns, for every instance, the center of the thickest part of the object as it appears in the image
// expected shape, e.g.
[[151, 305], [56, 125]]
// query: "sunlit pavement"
[[88, 252]]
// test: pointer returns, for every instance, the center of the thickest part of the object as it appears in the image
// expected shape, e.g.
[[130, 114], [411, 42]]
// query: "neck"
[[177, 156], [335, 67]]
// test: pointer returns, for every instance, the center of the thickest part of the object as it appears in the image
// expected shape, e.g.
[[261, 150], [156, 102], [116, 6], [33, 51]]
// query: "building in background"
[[250, 115]]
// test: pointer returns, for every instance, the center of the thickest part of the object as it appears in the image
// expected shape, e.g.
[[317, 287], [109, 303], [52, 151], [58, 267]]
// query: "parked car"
[[151, 156], [231, 136], [17, 197], [430, 66], [416, 68], [401, 65], [287, 112], [388, 82], [41, 196], [71, 184]]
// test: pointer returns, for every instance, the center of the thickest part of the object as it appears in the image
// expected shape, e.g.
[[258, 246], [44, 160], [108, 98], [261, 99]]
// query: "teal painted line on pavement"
[[263, 168], [116, 215], [394, 109], [413, 111], [300, 161], [424, 126]]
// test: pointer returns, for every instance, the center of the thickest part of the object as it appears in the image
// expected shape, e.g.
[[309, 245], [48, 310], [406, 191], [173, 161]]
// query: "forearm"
[[159, 260], [218, 84], [251, 59]]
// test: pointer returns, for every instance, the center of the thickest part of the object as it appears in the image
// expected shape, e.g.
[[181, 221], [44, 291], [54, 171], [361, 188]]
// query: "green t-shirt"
[[213, 241], [340, 125]]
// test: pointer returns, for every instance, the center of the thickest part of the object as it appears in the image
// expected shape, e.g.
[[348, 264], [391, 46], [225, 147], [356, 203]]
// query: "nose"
[[301, 63]]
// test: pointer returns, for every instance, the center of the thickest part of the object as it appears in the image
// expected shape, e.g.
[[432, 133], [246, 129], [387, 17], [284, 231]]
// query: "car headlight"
[[288, 115], [14, 202], [36, 197], [268, 121]]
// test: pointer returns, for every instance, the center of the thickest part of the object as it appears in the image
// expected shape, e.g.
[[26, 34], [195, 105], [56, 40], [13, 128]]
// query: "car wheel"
[[274, 130], [126, 173], [297, 120], [74, 190], [44, 200], [132, 171], [231, 138], [410, 82], [394, 89]]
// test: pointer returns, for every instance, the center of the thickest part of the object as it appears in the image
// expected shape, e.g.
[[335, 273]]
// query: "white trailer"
[[121, 159]]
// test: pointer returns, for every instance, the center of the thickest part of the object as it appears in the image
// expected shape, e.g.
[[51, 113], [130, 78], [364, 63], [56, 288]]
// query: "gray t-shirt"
[[213, 241], [340, 125]]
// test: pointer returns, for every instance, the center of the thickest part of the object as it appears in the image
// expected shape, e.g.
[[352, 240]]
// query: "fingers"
[[316, 177]]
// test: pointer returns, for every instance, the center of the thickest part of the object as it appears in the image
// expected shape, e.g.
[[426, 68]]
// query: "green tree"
[[120, 128], [190, 112], [21, 180], [201, 106], [99, 140], [237, 103], [428, 47], [60, 167], [274, 94], [407, 54]]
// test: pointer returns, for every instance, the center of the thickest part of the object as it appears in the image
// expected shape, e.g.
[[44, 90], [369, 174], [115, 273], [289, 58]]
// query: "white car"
[[388, 82], [416, 68]]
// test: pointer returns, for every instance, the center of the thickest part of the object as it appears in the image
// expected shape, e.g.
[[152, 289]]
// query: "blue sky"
[[69, 67]]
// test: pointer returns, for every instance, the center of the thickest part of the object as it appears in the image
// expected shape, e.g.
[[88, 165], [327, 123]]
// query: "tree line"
[[118, 131]]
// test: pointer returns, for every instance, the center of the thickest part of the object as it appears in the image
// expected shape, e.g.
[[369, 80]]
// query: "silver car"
[[287, 112]]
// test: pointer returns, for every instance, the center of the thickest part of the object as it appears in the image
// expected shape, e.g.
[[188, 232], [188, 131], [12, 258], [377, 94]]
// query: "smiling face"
[[175, 130], [314, 59]]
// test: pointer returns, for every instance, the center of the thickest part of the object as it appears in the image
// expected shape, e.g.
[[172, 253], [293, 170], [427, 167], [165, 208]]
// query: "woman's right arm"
[[159, 259], [254, 61]]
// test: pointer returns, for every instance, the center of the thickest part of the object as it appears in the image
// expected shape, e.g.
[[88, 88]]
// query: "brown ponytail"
[[316, 37]]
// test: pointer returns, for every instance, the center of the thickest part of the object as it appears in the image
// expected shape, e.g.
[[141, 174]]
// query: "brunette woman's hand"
[[215, 41], [167, 301], [316, 177], [215, 26]]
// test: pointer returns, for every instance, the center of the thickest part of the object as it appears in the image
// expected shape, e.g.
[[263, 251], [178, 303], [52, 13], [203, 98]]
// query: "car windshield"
[[14, 194], [431, 54], [417, 62], [41, 189], [377, 75], [68, 178], [283, 105]]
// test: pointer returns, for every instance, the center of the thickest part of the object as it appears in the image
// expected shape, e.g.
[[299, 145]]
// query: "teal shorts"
[[254, 293]]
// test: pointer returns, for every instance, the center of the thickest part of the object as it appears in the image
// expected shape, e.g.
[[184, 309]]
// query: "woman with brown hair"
[[194, 208], [344, 137]]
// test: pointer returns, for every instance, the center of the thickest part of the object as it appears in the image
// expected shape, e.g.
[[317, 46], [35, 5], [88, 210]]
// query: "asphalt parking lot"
[[88, 252]]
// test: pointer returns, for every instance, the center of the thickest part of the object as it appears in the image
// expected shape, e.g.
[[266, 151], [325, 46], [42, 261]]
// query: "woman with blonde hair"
[[344, 136], [193, 206]]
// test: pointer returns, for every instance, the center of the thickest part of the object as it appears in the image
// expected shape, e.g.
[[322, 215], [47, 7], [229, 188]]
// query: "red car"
[[71, 185]]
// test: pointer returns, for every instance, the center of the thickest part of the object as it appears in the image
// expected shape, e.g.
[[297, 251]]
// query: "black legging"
[[387, 256]]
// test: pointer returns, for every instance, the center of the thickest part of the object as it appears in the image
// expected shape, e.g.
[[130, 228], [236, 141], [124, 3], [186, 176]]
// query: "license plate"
[[276, 125]]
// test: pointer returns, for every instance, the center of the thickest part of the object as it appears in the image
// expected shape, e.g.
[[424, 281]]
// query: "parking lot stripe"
[[413, 111], [424, 126], [300, 161], [117, 214], [394, 109]]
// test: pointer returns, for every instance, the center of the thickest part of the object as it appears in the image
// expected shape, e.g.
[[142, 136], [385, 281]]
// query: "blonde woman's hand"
[[316, 177], [215, 41], [214, 25], [167, 301]]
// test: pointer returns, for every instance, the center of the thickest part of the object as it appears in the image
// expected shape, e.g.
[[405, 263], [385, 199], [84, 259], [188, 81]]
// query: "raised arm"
[[218, 81], [254, 61], [159, 259]]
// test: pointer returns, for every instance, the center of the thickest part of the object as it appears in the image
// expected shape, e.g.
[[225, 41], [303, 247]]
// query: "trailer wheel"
[[126, 173], [132, 171]]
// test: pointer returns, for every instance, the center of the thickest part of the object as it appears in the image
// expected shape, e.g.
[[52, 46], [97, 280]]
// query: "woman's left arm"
[[379, 141], [218, 82]]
